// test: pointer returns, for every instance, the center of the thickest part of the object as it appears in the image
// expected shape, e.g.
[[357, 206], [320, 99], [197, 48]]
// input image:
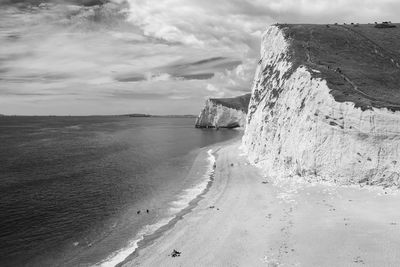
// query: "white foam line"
[[120, 255], [178, 205], [191, 193]]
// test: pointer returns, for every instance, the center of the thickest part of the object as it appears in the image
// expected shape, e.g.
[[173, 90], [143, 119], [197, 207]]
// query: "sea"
[[86, 191]]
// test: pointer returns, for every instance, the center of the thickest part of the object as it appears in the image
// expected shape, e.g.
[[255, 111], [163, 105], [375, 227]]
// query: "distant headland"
[[134, 115]]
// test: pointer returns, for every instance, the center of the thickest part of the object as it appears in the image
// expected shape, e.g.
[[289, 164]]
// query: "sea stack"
[[325, 104], [224, 112]]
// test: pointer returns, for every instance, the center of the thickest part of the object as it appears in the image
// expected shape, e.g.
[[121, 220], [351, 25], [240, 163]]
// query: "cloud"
[[158, 77], [107, 56], [204, 69], [41, 2], [321, 11], [198, 76], [130, 78], [212, 88]]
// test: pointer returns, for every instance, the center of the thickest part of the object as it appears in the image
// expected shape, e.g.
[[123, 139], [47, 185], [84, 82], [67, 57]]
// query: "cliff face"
[[224, 112], [320, 113]]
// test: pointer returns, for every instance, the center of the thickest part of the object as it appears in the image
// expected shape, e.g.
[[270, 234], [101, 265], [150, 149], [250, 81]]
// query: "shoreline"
[[128, 253], [245, 220], [150, 239]]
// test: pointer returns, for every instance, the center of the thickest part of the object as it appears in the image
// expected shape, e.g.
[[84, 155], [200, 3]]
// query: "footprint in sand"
[[271, 261]]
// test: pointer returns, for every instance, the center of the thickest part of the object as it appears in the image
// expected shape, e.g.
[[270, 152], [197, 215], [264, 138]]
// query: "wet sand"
[[246, 220]]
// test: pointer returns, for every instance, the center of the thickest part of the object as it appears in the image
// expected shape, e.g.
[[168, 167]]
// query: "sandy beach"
[[245, 219]]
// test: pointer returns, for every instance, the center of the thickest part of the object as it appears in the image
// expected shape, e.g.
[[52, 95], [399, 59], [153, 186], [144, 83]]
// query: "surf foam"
[[178, 205]]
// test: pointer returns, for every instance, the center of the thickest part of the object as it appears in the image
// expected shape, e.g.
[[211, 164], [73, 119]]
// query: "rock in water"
[[224, 112], [307, 119]]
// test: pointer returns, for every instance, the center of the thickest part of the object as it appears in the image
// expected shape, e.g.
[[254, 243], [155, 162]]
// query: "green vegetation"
[[238, 103], [361, 63]]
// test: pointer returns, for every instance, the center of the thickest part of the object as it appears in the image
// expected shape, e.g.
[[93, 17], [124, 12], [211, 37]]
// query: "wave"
[[177, 206]]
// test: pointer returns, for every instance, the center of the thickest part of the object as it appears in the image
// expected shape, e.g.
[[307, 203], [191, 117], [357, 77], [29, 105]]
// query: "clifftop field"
[[360, 63], [238, 103]]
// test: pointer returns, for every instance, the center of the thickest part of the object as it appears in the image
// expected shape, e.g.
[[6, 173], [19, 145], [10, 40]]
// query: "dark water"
[[70, 187]]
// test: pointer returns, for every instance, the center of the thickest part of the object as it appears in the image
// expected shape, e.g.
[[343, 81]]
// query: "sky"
[[88, 57]]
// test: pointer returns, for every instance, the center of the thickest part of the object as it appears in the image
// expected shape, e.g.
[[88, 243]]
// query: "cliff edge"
[[325, 104], [224, 112]]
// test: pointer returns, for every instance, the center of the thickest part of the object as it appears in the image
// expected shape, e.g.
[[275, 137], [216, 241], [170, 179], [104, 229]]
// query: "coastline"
[[184, 204], [244, 219], [90, 202]]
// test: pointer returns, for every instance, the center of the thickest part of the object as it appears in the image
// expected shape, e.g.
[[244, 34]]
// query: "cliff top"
[[238, 103], [361, 63]]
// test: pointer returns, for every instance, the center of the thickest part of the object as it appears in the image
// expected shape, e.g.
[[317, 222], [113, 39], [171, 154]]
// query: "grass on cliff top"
[[238, 103], [360, 62]]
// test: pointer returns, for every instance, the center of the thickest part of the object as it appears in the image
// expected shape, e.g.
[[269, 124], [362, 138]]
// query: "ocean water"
[[71, 187]]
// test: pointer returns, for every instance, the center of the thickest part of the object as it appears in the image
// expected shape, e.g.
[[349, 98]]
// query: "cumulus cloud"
[[121, 56]]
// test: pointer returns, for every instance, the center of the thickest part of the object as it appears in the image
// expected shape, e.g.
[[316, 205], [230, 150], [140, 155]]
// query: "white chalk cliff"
[[224, 113], [295, 127]]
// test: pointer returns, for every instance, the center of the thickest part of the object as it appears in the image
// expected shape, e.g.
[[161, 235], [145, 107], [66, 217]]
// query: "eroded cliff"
[[325, 103], [224, 112]]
